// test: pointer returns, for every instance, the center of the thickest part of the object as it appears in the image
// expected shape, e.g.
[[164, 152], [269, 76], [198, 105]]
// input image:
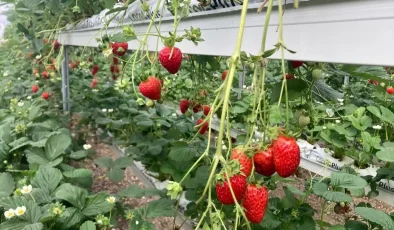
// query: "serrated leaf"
[[336, 196], [36, 226], [105, 162], [72, 194], [13, 224], [115, 175], [320, 188], [182, 152], [375, 216], [78, 173], [123, 162], [78, 155], [158, 208], [349, 181], [137, 192], [56, 145], [7, 184], [47, 179], [88, 225], [96, 204]]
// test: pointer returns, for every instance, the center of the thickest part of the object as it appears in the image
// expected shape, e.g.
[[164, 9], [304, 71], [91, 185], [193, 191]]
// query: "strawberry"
[[286, 155], [255, 203], [119, 48], [151, 88], [34, 88], [370, 81], [238, 185], [264, 162], [171, 62], [296, 64], [94, 70], [72, 65], [390, 90], [244, 160], [206, 109], [224, 75], [115, 60], [204, 127], [45, 75], [114, 77], [196, 108], [94, 82], [184, 105], [114, 69], [45, 95], [90, 59], [56, 44], [289, 76]]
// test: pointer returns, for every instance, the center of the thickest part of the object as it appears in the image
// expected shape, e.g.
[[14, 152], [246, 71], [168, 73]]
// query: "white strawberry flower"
[[26, 189], [377, 127], [110, 110], [9, 214], [19, 211], [111, 199], [20, 104], [86, 146], [340, 99], [337, 121], [104, 110]]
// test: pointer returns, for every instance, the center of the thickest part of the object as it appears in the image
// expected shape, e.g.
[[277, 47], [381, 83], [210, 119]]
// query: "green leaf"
[[7, 184], [238, 109], [37, 155], [41, 196], [105, 162], [182, 152], [158, 208], [387, 115], [56, 145], [47, 179], [295, 190], [78, 155], [96, 204], [109, 4], [295, 88], [115, 175], [13, 224], [88, 225], [123, 162], [386, 152], [36, 226], [355, 225], [336, 196], [269, 53], [78, 173], [320, 188], [375, 216], [75, 217], [33, 212], [23, 141], [136, 192], [72, 194], [349, 181]]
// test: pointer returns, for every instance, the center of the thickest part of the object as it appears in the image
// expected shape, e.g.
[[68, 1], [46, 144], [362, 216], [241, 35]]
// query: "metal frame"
[[66, 81]]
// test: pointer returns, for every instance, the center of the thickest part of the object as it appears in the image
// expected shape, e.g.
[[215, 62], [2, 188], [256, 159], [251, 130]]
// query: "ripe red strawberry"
[[45, 75], [171, 63], [204, 127], [206, 109], [56, 44], [244, 160], [94, 82], [115, 60], [370, 81], [72, 65], [255, 203], [296, 64], [224, 75], [119, 48], [151, 88], [94, 70], [238, 184], [114, 69], [45, 95], [286, 155], [196, 108], [390, 90], [184, 105], [264, 162], [289, 76], [34, 88]]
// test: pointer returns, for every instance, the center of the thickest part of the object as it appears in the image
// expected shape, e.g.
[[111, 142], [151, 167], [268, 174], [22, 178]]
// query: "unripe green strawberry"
[[238, 185], [304, 120], [297, 114], [317, 74], [244, 160], [287, 155], [255, 202], [150, 103]]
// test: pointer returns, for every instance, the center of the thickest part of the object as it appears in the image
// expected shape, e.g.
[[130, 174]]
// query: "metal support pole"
[[66, 81], [346, 80]]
